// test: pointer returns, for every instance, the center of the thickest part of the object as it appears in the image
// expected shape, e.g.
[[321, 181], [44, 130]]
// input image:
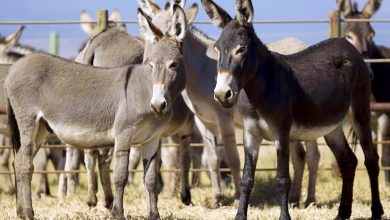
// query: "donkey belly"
[[302, 133], [83, 137]]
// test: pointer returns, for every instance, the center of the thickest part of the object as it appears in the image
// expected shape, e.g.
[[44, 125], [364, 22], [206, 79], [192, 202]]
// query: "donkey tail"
[[14, 129]]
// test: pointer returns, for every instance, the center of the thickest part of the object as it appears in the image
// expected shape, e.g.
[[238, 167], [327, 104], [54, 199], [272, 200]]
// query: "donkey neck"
[[267, 81], [198, 44]]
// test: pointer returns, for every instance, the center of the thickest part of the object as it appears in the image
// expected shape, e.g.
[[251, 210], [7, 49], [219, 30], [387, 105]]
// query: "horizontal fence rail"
[[171, 170], [379, 107], [63, 146], [296, 21]]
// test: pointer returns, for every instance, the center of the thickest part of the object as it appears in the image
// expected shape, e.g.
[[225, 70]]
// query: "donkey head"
[[360, 34], [236, 48], [163, 51], [8, 42], [162, 18], [90, 28]]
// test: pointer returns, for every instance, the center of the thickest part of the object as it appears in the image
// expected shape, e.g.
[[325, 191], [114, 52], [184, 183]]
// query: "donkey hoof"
[[92, 201], [154, 216], [118, 216], [240, 216], [109, 203], [29, 213], [186, 197], [377, 211]]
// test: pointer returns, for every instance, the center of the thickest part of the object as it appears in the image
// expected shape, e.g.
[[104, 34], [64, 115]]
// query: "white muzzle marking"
[[224, 81], [158, 102]]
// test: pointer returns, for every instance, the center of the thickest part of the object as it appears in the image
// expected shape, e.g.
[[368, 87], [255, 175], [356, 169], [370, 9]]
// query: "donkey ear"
[[179, 23], [191, 13], [88, 28], [218, 16], [149, 7], [181, 3], [12, 39], [244, 12], [150, 32], [115, 16], [345, 6], [167, 5], [371, 7]]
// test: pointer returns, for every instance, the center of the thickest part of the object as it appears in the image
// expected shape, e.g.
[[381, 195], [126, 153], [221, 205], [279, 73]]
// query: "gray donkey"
[[121, 106], [100, 51], [214, 121], [280, 99]]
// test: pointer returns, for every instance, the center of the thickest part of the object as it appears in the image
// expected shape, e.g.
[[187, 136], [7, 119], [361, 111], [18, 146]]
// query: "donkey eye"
[[349, 37], [240, 50], [173, 65]]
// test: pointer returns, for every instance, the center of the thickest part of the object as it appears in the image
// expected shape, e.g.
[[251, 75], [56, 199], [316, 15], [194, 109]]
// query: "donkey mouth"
[[226, 103]]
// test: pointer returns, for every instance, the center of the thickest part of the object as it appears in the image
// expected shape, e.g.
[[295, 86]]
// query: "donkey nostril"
[[229, 94], [163, 105]]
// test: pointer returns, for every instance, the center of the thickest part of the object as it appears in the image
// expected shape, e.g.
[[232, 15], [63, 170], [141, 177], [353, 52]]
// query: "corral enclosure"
[[263, 202]]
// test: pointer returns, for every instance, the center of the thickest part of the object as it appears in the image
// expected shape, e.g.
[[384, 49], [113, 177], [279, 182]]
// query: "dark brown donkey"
[[361, 35], [291, 98]]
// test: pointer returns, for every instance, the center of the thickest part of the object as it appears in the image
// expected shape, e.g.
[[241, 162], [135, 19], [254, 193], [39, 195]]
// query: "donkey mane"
[[203, 37]]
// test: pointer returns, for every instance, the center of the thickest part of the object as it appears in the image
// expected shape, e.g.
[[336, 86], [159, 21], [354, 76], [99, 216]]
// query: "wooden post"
[[54, 43], [335, 23], [102, 20]]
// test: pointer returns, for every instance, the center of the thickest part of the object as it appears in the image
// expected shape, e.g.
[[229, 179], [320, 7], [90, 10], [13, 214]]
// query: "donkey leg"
[[227, 129], [90, 157], [252, 141], [135, 157], [121, 172], [170, 160], [150, 158], [212, 162], [283, 176], [347, 162], [185, 162], [312, 160], [196, 158], [8, 185], [298, 161], [72, 163], [384, 124], [29, 128], [40, 163], [104, 158], [362, 125]]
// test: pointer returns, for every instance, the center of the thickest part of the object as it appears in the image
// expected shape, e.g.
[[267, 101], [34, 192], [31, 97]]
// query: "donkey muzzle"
[[159, 104], [223, 93]]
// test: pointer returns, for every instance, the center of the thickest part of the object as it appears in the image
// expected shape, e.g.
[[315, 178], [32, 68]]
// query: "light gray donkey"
[[103, 50], [121, 106], [113, 48]]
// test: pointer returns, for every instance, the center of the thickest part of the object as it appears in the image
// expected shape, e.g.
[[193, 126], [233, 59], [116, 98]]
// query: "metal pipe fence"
[[381, 107], [171, 170]]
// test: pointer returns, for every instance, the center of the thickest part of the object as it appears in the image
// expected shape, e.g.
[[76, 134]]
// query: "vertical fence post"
[[335, 23], [102, 20], [54, 42]]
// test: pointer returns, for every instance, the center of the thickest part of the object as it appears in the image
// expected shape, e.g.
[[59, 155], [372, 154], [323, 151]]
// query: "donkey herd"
[[127, 90]]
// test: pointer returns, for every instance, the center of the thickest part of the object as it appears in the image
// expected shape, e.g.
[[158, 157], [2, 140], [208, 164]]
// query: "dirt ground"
[[263, 203]]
